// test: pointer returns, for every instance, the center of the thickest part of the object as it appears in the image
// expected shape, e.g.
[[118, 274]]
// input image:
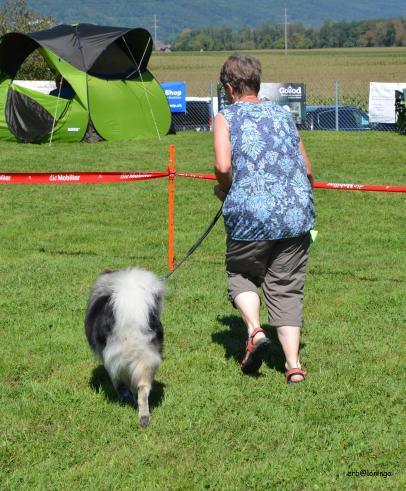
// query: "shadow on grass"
[[234, 339], [100, 382]]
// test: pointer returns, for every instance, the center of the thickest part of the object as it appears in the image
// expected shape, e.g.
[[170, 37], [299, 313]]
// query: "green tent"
[[104, 88]]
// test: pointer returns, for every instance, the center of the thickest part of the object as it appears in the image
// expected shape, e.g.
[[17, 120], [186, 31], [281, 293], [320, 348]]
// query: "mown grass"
[[212, 428]]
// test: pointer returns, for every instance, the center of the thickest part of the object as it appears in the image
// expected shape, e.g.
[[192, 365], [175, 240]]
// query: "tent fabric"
[[81, 46], [27, 119], [113, 92], [76, 78], [5, 133], [88, 42], [126, 115], [71, 119], [14, 49]]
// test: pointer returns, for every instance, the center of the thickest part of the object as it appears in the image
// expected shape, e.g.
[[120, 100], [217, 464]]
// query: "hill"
[[174, 15]]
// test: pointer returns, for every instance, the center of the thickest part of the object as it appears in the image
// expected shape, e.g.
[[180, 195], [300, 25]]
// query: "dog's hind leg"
[[141, 387], [143, 406]]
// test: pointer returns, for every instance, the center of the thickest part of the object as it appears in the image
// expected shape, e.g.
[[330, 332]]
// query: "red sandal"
[[255, 352], [295, 371]]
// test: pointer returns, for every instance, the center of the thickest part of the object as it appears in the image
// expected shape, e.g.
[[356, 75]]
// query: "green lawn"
[[212, 427]]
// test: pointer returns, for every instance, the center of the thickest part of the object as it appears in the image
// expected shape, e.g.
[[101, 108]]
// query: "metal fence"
[[336, 106]]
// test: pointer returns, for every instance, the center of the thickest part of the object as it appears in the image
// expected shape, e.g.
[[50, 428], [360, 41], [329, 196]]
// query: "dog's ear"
[[106, 271]]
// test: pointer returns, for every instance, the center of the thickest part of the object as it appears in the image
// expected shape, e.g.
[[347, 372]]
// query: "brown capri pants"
[[278, 266]]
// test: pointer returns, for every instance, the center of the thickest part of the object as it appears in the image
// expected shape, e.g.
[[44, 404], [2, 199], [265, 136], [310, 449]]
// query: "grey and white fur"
[[123, 327]]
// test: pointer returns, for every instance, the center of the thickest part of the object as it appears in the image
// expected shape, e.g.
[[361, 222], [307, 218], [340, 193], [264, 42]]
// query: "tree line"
[[366, 33]]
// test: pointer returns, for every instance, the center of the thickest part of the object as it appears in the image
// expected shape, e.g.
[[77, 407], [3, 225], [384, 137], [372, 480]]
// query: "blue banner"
[[176, 94]]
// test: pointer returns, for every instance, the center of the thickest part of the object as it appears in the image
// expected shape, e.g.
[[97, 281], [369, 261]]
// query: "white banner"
[[382, 101], [44, 86]]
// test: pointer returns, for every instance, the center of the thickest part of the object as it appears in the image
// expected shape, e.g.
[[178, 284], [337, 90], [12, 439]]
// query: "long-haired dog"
[[124, 329]]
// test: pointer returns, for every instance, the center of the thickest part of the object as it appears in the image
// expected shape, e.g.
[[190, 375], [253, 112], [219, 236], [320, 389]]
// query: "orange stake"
[[171, 208]]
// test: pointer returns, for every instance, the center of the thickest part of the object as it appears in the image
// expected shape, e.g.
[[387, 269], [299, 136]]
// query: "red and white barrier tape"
[[107, 177], [77, 177], [321, 185], [212, 177], [359, 187]]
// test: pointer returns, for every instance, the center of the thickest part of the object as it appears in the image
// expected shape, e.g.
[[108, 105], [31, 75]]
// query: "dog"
[[123, 328]]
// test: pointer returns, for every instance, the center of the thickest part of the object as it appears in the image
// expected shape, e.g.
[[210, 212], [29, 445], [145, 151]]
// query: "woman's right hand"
[[220, 192]]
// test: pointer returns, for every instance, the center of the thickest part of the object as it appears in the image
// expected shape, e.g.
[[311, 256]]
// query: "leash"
[[196, 244]]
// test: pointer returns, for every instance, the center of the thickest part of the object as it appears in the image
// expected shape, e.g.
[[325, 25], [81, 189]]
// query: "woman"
[[264, 178]]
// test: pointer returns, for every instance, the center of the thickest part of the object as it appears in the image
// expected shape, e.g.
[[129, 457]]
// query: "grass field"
[[354, 68], [212, 428], [309, 66]]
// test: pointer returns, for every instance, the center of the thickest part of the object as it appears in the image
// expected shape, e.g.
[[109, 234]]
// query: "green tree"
[[16, 17], [182, 42], [387, 34]]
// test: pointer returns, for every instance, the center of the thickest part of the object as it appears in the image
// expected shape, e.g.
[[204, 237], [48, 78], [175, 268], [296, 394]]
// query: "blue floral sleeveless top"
[[270, 196]]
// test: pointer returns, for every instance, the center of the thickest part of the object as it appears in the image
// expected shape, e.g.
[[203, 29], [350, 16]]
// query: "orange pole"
[[171, 208]]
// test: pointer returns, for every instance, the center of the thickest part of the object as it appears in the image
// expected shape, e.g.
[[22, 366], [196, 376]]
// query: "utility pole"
[[285, 24], [286, 32], [155, 29]]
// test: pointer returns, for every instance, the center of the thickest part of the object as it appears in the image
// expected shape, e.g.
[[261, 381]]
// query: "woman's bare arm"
[[222, 151], [307, 160]]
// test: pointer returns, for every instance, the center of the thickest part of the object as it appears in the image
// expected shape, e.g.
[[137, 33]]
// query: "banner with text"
[[382, 101], [176, 94], [292, 96]]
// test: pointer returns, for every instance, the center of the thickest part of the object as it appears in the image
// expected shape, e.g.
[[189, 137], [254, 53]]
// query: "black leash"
[[196, 244]]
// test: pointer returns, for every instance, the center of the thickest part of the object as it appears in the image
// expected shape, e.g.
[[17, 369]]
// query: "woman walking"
[[264, 178]]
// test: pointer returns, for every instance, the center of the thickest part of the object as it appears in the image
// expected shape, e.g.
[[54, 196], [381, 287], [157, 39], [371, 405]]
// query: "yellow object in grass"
[[313, 235]]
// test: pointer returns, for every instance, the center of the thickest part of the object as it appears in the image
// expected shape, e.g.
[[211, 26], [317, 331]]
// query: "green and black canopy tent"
[[112, 90]]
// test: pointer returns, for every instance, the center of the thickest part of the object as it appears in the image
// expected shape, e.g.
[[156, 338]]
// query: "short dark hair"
[[242, 73]]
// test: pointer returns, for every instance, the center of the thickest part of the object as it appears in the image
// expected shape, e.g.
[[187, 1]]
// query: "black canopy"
[[90, 48]]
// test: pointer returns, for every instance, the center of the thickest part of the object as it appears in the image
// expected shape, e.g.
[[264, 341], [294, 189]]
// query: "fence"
[[345, 108]]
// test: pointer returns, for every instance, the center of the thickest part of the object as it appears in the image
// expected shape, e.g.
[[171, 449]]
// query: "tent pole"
[[142, 81], [56, 111]]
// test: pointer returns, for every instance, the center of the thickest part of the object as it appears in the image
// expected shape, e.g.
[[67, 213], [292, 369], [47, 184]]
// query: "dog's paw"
[[144, 421]]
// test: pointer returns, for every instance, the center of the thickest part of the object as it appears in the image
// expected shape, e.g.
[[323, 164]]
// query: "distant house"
[[160, 46]]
